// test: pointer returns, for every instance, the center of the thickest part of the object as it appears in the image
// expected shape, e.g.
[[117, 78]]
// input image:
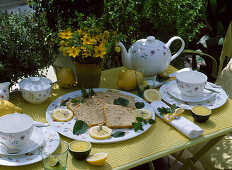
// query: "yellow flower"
[[74, 51], [87, 39], [100, 51], [80, 32], [66, 34], [87, 54]]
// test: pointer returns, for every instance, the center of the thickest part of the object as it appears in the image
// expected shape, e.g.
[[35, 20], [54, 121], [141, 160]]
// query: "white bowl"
[[15, 129], [191, 83], [35, 90]]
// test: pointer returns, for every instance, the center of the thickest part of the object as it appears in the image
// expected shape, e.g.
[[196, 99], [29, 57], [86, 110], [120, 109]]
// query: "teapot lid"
[[35, 83], [152, 42]]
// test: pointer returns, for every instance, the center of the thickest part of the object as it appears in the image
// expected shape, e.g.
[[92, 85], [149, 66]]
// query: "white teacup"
[[15, 129], [191, 83]]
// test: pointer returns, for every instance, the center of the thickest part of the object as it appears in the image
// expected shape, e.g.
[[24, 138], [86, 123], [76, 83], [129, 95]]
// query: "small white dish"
[[34, 156], [175, 92], [216, 101], [36, 140]]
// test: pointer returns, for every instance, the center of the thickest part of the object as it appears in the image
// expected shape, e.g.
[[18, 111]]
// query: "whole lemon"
[[127, 80], [66, 77]]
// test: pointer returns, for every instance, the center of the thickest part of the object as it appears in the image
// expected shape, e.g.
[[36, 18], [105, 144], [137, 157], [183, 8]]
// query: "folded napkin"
[[184, 125]]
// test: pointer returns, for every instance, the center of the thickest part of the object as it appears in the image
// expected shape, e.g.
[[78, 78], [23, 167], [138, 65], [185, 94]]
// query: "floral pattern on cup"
[[17, 140], [34, 156]]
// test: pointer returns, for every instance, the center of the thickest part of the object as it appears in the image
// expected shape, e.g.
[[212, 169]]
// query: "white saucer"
[[175, 92], [36, 140]]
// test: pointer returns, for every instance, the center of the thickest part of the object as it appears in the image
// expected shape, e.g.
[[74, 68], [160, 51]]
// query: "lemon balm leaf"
[[80, 127], [118, 134], [121, 101], [139, 105]]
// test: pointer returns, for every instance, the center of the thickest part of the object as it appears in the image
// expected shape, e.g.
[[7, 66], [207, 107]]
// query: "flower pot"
[[88, 75], [63, 62]]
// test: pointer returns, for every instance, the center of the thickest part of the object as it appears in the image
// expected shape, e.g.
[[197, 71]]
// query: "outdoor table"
[[159, 140]]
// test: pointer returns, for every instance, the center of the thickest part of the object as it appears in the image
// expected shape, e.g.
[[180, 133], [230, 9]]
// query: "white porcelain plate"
[[66, 128], [33, 156], [36, 140], [175, 92], [217, 100]]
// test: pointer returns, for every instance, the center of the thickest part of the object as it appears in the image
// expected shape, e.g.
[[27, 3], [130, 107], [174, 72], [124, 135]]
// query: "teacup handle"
[[181, 48]]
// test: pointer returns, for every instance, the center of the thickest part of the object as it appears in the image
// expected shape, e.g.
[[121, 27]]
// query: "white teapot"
[[149, 54]]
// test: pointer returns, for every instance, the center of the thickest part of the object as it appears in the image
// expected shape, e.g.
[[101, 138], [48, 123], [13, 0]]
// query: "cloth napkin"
[[182, 124]]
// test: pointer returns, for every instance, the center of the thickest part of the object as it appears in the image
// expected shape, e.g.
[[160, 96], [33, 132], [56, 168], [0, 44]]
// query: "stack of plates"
[[172, 95], [29, 151]]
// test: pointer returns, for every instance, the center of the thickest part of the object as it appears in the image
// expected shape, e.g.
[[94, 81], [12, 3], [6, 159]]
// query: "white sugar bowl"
[[35, 90], [15, 129]]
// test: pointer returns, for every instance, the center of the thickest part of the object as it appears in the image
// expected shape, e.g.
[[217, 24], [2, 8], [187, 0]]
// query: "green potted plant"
[[24, 46], [87, 46]]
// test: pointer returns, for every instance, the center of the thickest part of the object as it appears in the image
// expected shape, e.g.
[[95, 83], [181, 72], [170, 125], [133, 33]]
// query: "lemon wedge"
[[146, 114], [97, 159], [151, 95], [100, 132], [53, 162], [62, 115]]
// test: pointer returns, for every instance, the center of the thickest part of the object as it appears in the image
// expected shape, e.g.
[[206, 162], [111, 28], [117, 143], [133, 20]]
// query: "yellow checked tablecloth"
[[160, 140]]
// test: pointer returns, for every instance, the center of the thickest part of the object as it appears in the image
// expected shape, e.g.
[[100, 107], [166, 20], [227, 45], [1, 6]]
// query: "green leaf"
[[121, 101], [64, 103], [139, 119], [139, 105], [84, 93], [118, 134], [74, 100], [161, 79], [80, 127], [151, 121], [91, 92]]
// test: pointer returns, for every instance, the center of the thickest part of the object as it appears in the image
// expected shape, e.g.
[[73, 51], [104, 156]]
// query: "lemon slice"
[[53, 162], [100, 132], [146, 114], [62, 115], [97, 159], [151, 95]]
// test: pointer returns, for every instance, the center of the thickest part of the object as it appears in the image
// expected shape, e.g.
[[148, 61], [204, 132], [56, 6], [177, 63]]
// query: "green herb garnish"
[[80, 127], [74, 101], [121, 101], [64, 103], [84, 95], [91, 92], [139, 105], [161, 79], [118, 134], [139, 124], [166, 110]]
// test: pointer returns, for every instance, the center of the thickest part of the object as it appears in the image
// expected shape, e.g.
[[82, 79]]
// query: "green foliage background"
[[24, 48]]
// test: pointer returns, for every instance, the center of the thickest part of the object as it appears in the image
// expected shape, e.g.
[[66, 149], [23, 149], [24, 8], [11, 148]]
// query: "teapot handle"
[[181, 48]]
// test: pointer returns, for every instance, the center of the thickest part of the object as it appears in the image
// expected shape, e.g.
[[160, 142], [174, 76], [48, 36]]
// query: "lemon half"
[[97, 159], [151, 95], [97, 133], [62, 115], [146, 114]]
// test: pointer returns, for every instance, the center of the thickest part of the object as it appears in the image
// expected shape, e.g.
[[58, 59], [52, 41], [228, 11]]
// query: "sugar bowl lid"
[[35, 83]]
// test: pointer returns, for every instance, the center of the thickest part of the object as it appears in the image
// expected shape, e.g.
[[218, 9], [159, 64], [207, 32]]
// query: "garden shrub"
[[24, 46]]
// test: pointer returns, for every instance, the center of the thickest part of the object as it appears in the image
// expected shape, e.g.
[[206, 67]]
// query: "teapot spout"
[[126, 58]]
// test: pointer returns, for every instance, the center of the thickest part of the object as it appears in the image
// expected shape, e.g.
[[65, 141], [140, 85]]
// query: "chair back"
[[226, 49], [224, 77]]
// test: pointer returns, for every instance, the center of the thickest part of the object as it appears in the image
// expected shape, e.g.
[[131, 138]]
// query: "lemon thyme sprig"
[[100, 128], [166, 110], [140, 121]]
